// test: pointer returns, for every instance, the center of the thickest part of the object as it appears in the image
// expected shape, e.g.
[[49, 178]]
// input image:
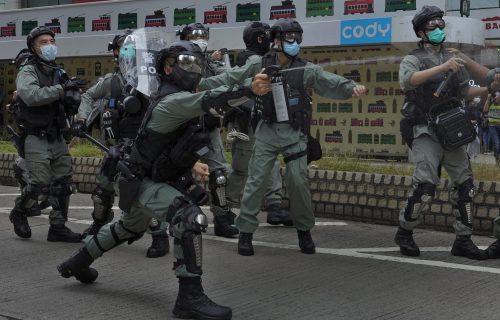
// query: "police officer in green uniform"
[[435, 81], [159, 165], [257, 42], [286, 134], [121, 118], [20, 172], [223, 216], [42, 88]]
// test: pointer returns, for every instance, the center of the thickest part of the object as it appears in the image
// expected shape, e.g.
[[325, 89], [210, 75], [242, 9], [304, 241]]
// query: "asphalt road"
[[357, 273]]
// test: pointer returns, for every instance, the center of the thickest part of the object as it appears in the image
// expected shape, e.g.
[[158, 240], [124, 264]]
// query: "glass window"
[[474, 4]]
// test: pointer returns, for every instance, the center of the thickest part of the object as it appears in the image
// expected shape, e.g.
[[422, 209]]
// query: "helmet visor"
[[190, 63], [292, 37], [198, 34], [434, 23]]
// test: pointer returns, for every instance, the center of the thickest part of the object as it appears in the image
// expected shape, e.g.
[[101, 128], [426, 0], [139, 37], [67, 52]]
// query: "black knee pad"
[[62, 187], [466, 191], [419, 200], [103, 203], [217, 183], [192, 249], [194, 219]]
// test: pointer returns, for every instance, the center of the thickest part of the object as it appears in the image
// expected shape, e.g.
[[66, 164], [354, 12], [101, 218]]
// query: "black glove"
[[71, 101], [79, 129], [219, 104], [72, 84]]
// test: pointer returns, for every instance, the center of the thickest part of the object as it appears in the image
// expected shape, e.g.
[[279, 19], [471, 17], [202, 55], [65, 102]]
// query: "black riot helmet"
[[118, 40], [256, 37], [282, 27], [425, 14], [187, 63], [194, 31], [22, 58], [35, 33]]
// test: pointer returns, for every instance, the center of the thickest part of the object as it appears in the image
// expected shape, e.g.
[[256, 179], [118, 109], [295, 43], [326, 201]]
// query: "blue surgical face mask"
[[436, 36], [291, 49], [48, 52]]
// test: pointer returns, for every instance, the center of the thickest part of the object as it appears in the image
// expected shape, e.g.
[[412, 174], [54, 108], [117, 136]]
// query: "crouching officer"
[[159, 166], [283, 128], [435, 83], [121, 120], [257, 42], [41, 90], [198, 34]]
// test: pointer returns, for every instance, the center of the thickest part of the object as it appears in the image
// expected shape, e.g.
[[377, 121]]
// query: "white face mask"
[[48, 52], [202, 43]]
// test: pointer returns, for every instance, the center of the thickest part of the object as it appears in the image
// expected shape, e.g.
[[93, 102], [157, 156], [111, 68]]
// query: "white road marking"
[[89, 222], [365, 253], [354, 253]]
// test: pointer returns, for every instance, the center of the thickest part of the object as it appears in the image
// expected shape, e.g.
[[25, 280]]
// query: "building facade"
[[360, 39]]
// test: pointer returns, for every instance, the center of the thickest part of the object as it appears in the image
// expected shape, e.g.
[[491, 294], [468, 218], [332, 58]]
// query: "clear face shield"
[[198, 34], [137, 58]]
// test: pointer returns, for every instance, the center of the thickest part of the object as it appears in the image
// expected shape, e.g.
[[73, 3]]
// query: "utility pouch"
[[453, 128], [110, 162], [406, 129], [129, 185], [18, 139], [314, 151]]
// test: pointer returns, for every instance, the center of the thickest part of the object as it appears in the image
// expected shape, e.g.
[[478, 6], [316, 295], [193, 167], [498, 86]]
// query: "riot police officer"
[[121, 119], [435, 81], [19, 166], [257, 42], [43, 93], [286, 134], [223, 216], [166, 148]]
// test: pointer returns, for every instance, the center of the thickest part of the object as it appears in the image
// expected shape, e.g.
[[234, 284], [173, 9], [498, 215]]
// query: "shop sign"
[[366, 31]]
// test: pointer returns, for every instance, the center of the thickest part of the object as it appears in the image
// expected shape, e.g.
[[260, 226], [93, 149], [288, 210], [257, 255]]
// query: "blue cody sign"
[[364, 31]]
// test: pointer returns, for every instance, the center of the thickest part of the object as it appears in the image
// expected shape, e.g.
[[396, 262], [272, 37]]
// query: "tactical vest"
[[166, 157], [128, 124], [494, 111], [47, 117], [423, 96], [242, 57], [298, 101]]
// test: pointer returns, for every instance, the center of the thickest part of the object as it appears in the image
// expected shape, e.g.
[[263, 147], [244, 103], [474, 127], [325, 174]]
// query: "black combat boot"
[[78, 266], [61, 233], [159, 246], [306, 242], [277, 215], [193, 303], [20, 222], [245, 247], [464, 247], [407, 246], [493, 251], [224, 225]]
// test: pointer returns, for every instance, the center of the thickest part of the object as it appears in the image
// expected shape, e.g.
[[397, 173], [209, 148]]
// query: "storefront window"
[[454, 5]]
